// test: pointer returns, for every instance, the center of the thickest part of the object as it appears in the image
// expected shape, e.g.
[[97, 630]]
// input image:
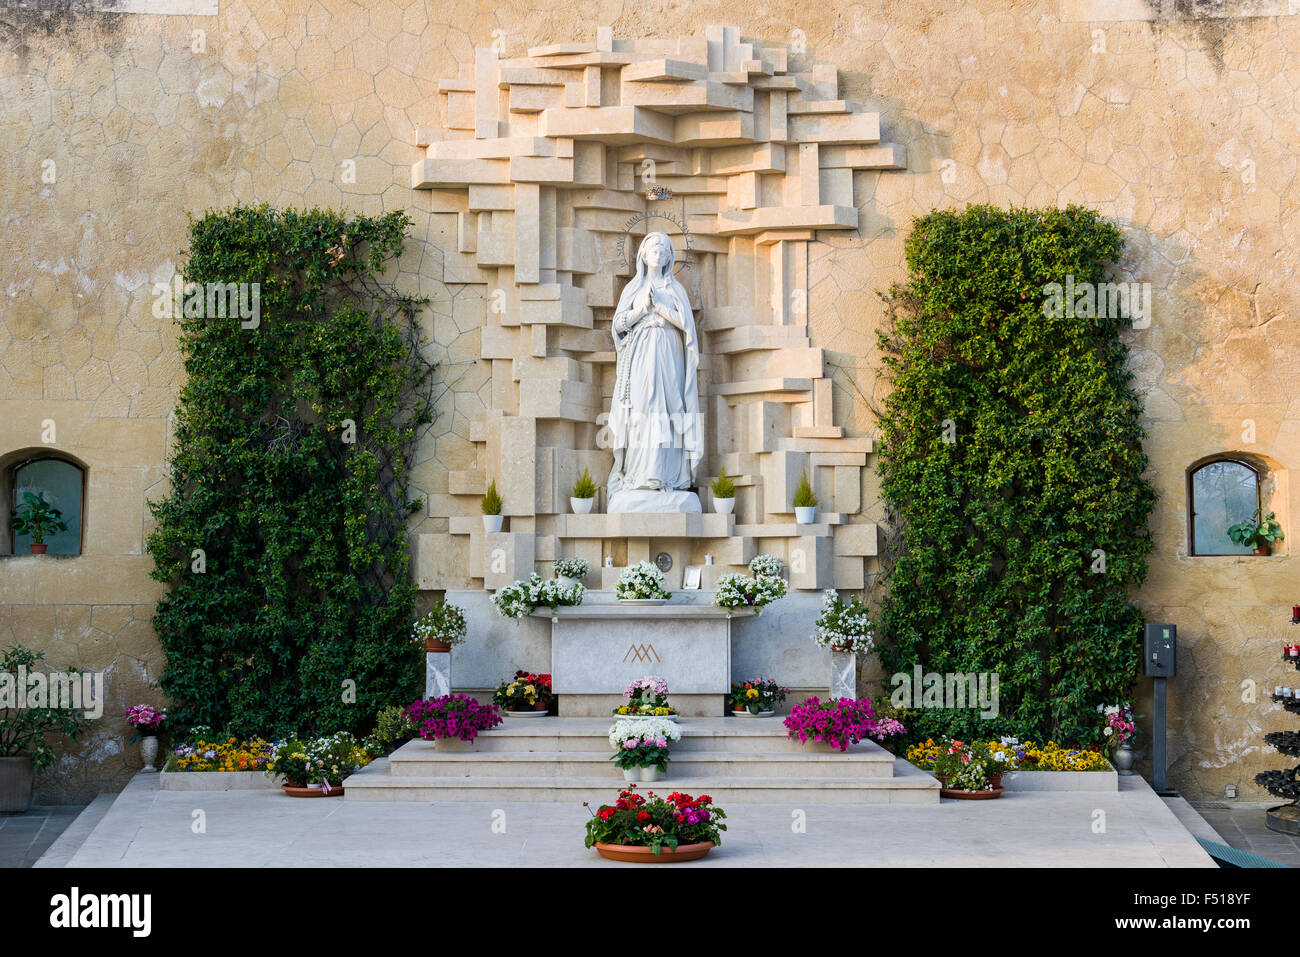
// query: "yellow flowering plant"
[[210, 753]]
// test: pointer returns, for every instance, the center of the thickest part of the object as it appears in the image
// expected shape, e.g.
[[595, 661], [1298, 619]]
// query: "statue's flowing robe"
[[655, 413]]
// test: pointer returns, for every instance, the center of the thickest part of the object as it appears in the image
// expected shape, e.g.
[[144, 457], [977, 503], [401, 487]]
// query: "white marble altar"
[[597, 649]]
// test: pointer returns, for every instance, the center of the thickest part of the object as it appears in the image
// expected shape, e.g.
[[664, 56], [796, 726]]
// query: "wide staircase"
[[737, 760]]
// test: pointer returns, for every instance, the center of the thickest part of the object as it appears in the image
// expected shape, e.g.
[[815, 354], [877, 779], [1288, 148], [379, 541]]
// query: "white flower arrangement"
[[843, 624], [572, 568], [768, 565], [627, 729], [443, 622], [642, 580], [741, 591], [520, 598]]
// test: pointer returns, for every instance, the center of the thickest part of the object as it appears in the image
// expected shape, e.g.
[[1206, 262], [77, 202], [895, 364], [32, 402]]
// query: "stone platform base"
[[602, 705], [672, 501]]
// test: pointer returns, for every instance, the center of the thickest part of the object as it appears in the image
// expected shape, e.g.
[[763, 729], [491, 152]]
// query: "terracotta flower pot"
[[336, 790], [434, 645], [971, 795], [1259, 550], [542, 706], [39, 549], [633, 854]]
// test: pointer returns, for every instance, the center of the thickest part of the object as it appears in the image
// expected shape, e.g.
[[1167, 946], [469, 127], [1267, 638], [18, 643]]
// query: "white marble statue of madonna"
[[655, 413]]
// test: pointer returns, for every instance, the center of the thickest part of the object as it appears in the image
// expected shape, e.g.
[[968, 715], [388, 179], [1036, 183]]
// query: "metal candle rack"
[[1284, 784]]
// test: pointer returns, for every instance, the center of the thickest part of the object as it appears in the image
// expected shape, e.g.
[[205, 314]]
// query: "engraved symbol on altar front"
[[641, 653]]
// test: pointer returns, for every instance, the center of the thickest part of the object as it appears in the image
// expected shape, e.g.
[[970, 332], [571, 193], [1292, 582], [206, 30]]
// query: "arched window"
[[63, 484], [1221, 493]]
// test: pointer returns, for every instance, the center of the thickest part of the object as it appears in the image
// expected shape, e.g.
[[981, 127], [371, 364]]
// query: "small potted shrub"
[[641, 746], [38, 518], [647, 697], [805, 502], [768, 565], [24, 749], [491, 508], [147, 721], [757, 698], [526, 695], [571, 571], [583, 495], [453, 721], [656, 830], [843, 625], [741, 591], [1258, 532], [724, 494], [441, 627], [393, 728], [642, 583]]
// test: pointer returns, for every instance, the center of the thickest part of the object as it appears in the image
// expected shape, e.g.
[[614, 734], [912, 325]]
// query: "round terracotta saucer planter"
[[316, 792], [994, 792], [633, 854]]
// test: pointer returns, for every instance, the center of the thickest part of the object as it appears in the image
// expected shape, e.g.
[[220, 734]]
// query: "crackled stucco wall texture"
[[1182, 128]]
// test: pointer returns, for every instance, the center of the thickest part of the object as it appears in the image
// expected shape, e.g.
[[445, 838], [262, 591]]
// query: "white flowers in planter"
[[572, 568], [443, 622], [741, 591], [640, 581], [628, 729], [843, 625], [766, 565], [520, 598]]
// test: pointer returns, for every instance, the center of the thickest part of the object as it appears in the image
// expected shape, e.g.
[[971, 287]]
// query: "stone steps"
[[741, 760], [908, 786], [590, 764]]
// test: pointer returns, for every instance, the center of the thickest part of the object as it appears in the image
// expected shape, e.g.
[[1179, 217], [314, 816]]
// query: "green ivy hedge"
[[283, 539], [1012, 469]]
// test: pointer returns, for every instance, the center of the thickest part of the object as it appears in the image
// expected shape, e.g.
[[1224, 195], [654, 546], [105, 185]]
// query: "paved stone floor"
[[148, 827], [1243, 826], [25, 837]]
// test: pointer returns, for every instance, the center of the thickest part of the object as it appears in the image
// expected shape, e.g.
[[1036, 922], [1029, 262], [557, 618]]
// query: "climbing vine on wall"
[[283, 539], [1012, 469]]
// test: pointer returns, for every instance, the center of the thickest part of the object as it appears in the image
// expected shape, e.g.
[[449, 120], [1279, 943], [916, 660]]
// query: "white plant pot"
[[805, 514], [724, 506], [649, 774], [492, 523], [566, 581], [630, 774], [581, 506]]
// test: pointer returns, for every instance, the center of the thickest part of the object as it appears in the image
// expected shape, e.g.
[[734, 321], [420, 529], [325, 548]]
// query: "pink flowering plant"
[[839, 722], [451, 716], [1119, 725], [146, 719], [643, 742], [648, 696]]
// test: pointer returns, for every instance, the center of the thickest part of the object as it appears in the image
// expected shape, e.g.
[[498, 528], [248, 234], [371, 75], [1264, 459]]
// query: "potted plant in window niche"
[[584, 494], [491, 507], [724, 494], [1258, 532], [805, 502], [38, 518]]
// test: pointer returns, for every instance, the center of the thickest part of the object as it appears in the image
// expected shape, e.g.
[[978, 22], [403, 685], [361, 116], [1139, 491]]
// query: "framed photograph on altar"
[[691, 577]]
